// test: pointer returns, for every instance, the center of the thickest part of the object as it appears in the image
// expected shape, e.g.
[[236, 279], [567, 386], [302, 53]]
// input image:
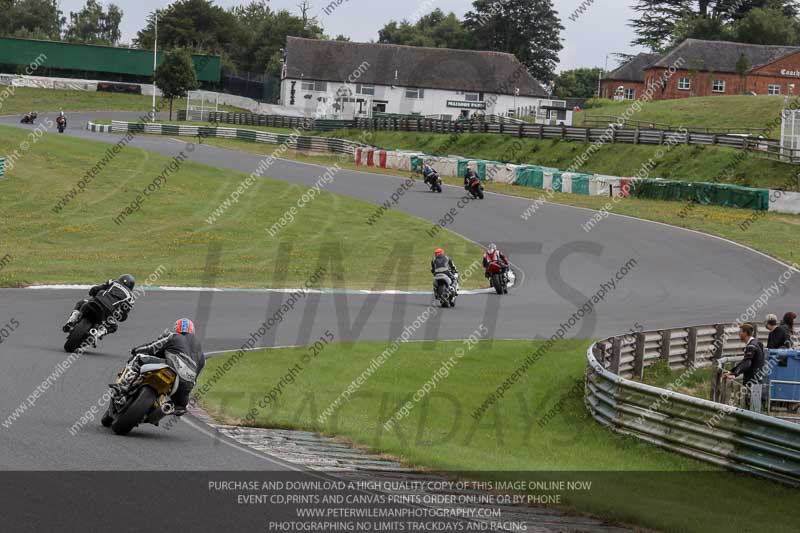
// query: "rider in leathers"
[[493, 254], [116, 299], [443, 264], [181, 343]]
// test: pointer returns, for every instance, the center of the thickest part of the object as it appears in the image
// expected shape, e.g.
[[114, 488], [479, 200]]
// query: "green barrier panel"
[[580, 184], [703, 193], [247, 135], [2, 167], [416, 163], [481, 170], [532, 177], [170, 129], [205, 131], [462, 166], [557, 181]]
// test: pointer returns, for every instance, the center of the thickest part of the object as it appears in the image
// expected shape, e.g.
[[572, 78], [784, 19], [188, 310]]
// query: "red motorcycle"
[[498, 276], [475, 187]]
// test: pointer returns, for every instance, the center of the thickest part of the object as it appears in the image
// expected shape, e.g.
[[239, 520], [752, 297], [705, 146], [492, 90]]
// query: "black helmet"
[[127, 280]]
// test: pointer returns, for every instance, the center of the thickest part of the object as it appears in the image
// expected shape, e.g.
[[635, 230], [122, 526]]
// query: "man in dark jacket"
[[750, 368], [469, 176], [116, 301], [181, 348]]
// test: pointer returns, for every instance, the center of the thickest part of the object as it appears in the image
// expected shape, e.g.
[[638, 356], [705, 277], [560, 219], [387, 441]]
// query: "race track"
[[680, 278]]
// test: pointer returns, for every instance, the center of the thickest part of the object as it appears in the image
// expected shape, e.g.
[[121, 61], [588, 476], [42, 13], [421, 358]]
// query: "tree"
[[93, 25], [435, 30], [41, 19], [529, 29], [176, 75], [767, 26], [196, 25], [577, 83], [742, 68], [661, 23]]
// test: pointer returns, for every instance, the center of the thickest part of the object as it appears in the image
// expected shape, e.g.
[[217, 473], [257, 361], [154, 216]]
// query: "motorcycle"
[[475, 188], [445, 289], [147, 395], [89, 328], [498, 277], [61, 122], [28, 118], [434, 181]]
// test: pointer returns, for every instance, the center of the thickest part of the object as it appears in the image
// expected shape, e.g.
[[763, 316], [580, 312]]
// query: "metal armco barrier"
[[729, 437], [2, 167], [100, 128], [298, 142]]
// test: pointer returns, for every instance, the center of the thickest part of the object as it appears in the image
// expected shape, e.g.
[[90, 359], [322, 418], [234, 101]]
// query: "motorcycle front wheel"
[[497, 283], [135, 412]]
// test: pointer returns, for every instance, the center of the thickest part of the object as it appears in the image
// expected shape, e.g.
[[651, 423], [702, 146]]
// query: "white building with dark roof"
[[345, 79]]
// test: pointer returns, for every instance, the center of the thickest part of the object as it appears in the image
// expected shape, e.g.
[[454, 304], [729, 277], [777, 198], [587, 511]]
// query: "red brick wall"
[[701, 84], [609, 87]]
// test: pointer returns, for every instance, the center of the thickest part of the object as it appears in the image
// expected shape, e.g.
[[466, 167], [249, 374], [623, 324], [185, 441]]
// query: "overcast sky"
[[601, 29]]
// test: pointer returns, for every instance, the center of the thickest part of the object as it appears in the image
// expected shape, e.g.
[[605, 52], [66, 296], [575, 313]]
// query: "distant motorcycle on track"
[[475, 188], [28, 118]]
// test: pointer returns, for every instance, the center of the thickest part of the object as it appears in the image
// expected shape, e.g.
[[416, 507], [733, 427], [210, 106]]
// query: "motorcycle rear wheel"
[[135, 412], [77, 335]]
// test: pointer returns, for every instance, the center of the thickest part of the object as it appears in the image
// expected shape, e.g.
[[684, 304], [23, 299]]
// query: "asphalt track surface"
[[680, 278]]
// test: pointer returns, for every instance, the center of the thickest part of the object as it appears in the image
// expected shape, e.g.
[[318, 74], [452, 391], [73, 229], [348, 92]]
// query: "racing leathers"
[[442, 264], [496, 256], [115, 299], [184, 352]]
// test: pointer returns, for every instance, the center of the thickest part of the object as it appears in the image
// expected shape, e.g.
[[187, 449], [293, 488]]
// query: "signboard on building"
[[466, 105], [791, 73]]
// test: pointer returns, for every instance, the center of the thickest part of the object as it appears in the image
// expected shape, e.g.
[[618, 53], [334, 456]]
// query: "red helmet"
[[438, 252], [184, 325]]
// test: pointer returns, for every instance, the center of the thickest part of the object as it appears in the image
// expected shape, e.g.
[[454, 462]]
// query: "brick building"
[[627, 81], [709, 68]]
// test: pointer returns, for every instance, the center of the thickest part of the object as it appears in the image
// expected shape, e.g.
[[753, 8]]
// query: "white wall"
[[433, 103]]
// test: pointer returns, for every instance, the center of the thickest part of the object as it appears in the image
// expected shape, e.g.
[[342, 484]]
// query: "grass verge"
[[84, 242], [685, 163], [540, 425], [702, 112]]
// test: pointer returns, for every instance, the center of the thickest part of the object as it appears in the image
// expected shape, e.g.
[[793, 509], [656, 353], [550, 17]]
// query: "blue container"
[[785, 367]]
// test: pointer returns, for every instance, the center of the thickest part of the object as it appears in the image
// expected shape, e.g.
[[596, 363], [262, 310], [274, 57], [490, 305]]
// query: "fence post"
[[521, 131], [638, 357], [666, 339], [563, 132], [616, 348], [541, 131], [691, 347], [587, 135], [719, 341], [636, 135]]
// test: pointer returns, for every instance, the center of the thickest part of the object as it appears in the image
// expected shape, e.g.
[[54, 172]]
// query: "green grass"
[[692, 382], [83, 243], [705, 112], [630, 477], [686, 163], [26, 99]]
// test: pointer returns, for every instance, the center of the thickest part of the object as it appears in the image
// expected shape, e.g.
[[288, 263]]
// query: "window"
[[774, 90], [718, 86], [415, 94], [472, 97], [367, 90], [316, 86], [630, 94], [684, 84]]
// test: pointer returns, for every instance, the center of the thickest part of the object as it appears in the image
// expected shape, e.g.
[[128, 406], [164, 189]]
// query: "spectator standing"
[[788, 326], [750, 368], [776, 338]]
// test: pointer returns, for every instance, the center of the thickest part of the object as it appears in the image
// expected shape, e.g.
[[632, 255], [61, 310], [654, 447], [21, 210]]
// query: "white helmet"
[[492, 248]]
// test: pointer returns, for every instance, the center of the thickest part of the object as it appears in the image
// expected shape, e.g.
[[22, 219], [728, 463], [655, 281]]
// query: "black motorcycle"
[[61, 123], [28, 118], [475, 187], [434, 181], [89, 328]]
